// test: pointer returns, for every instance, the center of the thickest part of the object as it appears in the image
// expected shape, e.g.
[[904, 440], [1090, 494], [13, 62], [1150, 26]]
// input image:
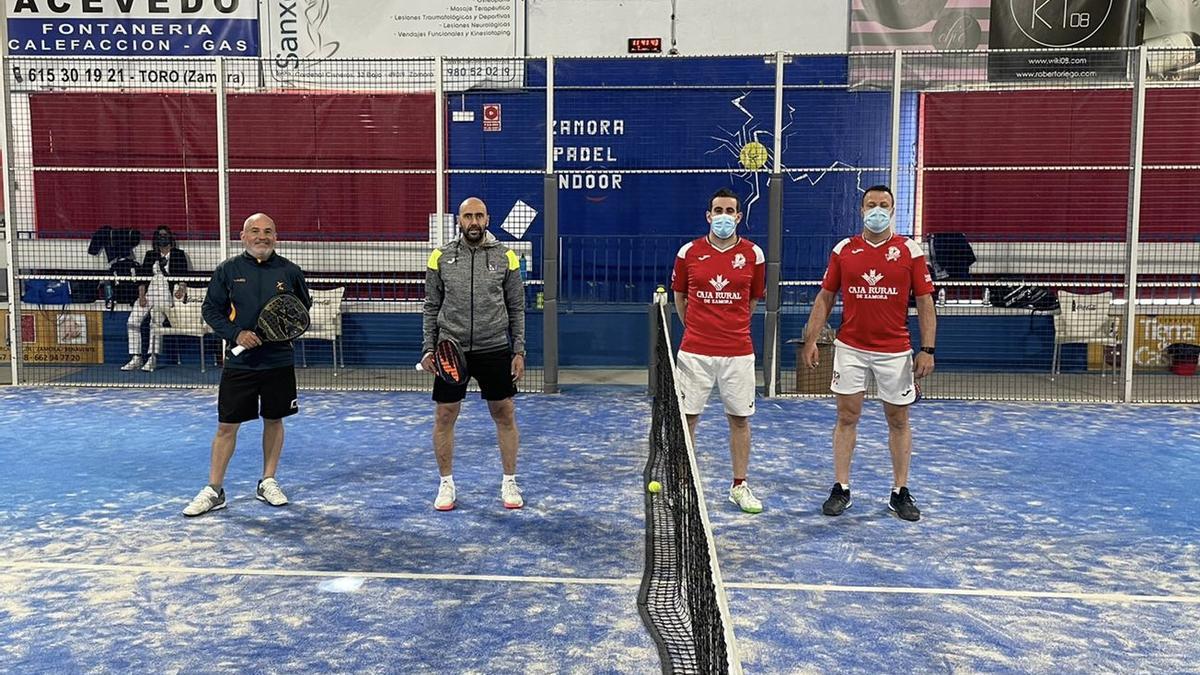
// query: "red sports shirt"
[[875, 281], [719, 287]]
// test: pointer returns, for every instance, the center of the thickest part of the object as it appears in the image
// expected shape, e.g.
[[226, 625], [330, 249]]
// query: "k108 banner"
[[1072, 25], [946, 31]]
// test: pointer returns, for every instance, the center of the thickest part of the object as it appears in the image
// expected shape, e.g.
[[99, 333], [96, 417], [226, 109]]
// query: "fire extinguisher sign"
[[491, 117]]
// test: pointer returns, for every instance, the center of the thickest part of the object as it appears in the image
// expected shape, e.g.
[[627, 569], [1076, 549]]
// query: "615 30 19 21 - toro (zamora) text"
[[69, 75]]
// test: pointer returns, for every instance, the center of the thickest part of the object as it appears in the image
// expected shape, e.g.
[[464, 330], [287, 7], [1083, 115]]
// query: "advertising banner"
[[1052, 24], [310, 42], [948, 30], [123, 28]]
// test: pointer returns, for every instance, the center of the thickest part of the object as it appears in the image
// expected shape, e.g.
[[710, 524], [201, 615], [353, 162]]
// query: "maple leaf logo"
[[872, 277]]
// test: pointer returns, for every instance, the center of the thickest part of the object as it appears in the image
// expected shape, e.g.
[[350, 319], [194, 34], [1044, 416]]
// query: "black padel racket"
[[282, 319]]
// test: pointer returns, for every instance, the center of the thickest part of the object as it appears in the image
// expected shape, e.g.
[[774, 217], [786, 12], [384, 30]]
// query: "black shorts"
[[493, 372], [242, 391]]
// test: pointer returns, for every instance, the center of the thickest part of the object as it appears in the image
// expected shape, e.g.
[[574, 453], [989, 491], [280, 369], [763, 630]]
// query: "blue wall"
[[699, 116]]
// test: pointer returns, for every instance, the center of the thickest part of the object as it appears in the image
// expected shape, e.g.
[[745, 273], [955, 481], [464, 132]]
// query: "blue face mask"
[[723, 226], [877, 220]]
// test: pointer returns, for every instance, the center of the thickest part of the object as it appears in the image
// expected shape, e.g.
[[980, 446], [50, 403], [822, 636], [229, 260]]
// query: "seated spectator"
[[162, 261]]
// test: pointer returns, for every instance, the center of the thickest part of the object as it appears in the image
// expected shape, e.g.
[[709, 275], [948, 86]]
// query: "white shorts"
[[893, 373], [733, 375]]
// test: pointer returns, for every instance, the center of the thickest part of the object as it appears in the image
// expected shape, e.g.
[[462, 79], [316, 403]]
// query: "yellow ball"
[[753, 156], [654, 486]]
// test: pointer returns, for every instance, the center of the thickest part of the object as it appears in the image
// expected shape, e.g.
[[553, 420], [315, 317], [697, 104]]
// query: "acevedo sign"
[[132, 27], [326, 43]]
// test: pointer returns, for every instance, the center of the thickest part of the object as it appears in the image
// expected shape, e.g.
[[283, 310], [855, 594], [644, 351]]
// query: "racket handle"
[[237, 350], [418, 366]]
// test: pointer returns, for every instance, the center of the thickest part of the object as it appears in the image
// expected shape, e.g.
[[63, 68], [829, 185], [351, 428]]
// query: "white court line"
[[971, 592], [253, 572], [585, 581]]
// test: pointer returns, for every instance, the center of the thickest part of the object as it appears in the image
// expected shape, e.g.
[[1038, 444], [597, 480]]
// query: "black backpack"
[[950, 256], [123, 289]]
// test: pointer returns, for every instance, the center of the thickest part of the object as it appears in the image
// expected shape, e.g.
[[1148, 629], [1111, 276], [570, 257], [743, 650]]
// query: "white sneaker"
[[744, 498], [510, 492], [151, 364], [206, 500], [134, 363], [445, 497], [269, 491]]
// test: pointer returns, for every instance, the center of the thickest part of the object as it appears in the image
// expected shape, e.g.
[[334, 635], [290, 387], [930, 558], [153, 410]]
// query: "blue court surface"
[[1055, 538]]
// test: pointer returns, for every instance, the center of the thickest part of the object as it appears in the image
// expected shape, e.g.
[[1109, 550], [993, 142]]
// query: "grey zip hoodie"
[[474, 296]]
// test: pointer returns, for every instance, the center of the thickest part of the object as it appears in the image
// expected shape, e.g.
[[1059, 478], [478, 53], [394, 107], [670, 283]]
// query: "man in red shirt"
[[718, 279], [875, 272]]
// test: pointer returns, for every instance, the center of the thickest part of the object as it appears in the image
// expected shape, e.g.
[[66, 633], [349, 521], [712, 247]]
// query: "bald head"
[[472, 220], [258, 236], [258, 219]]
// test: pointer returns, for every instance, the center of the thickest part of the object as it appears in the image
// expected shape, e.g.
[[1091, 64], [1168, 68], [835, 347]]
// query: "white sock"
[[510, 477], [845, 486], [448, 479], [895, 490]]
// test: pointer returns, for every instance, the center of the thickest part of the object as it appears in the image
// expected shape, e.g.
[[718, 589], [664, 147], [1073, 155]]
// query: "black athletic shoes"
[[839, 500], [902, 504]]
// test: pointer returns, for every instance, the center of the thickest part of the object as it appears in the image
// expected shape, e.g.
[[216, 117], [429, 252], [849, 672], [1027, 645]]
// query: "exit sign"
[[645, 45]]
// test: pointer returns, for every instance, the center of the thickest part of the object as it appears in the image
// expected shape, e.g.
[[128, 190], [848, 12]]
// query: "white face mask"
[[877, 220], [723, 225]]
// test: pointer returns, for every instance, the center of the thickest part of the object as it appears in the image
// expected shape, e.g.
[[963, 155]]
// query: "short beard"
[[473, 235]]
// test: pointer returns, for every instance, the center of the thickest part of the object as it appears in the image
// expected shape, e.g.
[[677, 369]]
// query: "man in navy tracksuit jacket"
[[260, 380]]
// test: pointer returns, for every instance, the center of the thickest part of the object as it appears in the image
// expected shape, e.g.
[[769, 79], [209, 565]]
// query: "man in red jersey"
[[875, 271], [718, 279]]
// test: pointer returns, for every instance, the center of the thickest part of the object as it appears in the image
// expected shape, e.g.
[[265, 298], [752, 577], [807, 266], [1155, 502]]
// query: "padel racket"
[[450, 363], [283, 318]]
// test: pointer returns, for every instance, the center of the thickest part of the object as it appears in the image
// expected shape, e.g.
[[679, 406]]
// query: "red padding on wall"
[[266, 131], [1054, 128]]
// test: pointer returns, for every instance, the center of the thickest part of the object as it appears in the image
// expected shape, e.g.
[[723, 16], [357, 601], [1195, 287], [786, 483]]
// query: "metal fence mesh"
[[1044, 203]]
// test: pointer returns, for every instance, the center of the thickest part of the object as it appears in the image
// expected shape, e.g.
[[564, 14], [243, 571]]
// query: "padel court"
[[1053, 538]]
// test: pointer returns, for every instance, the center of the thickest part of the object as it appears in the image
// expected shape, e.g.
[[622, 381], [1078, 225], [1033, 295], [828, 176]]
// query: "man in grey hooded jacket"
[[474, 296]]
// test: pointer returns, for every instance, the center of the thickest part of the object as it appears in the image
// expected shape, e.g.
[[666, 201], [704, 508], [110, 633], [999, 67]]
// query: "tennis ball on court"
[[753, 156], [654, 486]]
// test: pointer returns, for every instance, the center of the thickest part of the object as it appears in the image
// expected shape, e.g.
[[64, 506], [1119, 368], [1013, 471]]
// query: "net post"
[[652, 355], [774, 243], [1133, 227], [550, 285], [550, 248], [10, 228], [652, 324], [774, 272]]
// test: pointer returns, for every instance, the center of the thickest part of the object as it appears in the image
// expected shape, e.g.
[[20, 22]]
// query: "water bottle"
[[524, 266], [986, 295]]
